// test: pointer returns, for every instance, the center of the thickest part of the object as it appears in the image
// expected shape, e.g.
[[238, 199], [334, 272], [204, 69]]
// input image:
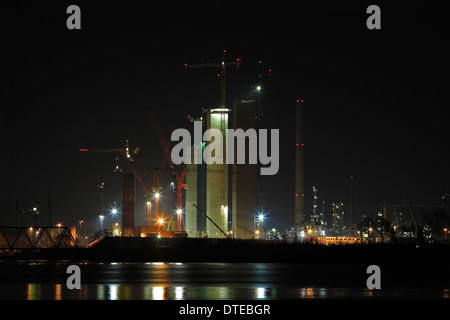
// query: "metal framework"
[[24, 237]]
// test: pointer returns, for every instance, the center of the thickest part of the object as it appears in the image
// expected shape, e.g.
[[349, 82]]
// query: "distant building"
[[338, 226], [315, 216]]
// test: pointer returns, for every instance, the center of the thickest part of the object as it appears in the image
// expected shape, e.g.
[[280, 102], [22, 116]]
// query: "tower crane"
[[176, 178], [221, 65], [127, 155]]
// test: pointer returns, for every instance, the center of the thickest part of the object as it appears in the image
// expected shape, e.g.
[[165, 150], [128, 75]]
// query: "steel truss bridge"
[[26, 237]]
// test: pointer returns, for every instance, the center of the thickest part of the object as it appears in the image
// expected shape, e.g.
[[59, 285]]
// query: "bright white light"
[[157, 195], [158, 293], [261, 217], [114, 211], [258, 88], [261, 293], [179, 292], [179, 211]]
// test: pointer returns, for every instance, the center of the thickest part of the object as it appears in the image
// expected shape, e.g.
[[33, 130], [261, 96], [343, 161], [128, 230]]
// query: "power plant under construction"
[[218, 198], [218, 184], [215, 200]]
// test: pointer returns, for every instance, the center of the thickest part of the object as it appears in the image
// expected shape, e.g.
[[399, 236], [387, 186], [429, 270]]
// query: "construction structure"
[[128, 186], [191, 198], [299, 169], [128, 207], [196, 193], [217, 174], [216, 188], [245, 195]]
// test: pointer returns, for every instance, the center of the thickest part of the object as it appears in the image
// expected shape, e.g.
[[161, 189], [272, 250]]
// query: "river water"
[[44, 280]]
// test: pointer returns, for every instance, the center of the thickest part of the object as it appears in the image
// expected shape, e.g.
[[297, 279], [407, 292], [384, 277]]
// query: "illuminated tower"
[[217, 174], [299, 168]]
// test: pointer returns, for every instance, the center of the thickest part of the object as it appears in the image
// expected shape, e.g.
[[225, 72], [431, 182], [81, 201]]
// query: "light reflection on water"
[[194, 281], [37, 291]]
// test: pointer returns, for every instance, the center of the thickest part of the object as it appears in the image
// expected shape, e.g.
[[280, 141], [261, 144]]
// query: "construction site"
[[206, 201], [217, 200]]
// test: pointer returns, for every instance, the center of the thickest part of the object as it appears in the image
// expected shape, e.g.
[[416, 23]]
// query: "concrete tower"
[[191, 198], [128, 200], [217, 174], [245, 176], [299, 168]]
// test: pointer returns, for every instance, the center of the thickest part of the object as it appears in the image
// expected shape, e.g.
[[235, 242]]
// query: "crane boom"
[[222, 72]]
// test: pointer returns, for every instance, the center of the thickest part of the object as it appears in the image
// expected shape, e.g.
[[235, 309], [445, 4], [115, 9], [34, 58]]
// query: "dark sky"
[[376, 102]]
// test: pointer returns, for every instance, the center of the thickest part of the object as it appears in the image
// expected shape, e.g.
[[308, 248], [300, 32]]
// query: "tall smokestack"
[[299, 167], [128, 200]]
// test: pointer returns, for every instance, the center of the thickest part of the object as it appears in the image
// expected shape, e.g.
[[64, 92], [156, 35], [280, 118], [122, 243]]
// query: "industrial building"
[[338, 224], [245, 176]]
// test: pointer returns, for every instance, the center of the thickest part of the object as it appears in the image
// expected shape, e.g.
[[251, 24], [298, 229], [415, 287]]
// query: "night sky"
[[375, 107]]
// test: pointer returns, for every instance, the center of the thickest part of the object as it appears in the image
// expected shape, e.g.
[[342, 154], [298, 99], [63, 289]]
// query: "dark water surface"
[[37, 280]]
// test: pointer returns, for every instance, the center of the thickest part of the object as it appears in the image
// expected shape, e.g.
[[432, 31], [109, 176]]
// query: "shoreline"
[[136, 249]]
